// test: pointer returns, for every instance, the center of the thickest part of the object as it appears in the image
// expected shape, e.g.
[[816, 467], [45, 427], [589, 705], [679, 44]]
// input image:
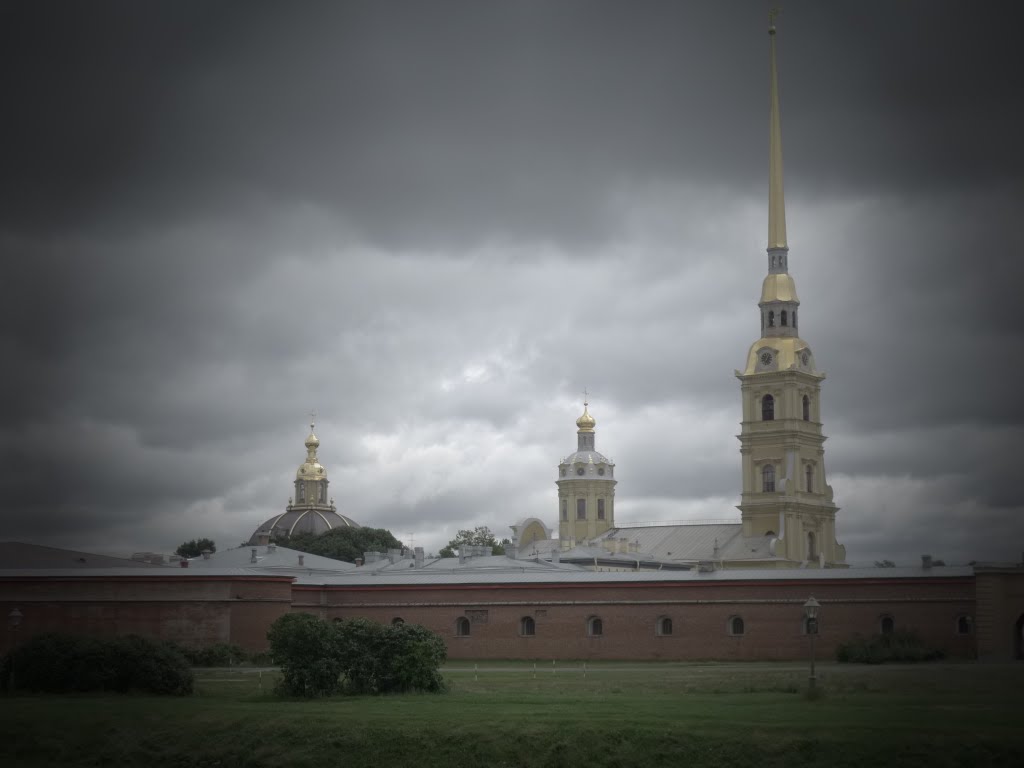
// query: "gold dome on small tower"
[[312, 442], [586, 422]]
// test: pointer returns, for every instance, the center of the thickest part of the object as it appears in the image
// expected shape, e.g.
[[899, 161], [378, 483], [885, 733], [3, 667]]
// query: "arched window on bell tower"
[[785, 318], [807, 408], [767, 408], [768, 478], [302, 492], [812, 548], [771, 318], [809, 471]]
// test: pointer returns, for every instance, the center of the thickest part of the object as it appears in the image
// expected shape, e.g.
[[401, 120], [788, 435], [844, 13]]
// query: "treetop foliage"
[[480, 536], [195, 547], [342, 543]]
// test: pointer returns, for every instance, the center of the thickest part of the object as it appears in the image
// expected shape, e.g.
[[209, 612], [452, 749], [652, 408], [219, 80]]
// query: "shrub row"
[[901, 646], [63, 663], [354, 656]]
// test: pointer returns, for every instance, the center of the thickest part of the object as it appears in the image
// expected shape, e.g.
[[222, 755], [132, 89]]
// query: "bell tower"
[[586, 488], [785, 493]]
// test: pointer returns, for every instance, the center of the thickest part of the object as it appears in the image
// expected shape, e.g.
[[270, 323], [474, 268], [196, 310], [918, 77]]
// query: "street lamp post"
[[811, 614], [13, 621]]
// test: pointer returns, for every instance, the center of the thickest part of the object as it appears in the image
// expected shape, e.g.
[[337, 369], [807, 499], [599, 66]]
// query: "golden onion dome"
[[311, 468], [586, 422], [778, 287]]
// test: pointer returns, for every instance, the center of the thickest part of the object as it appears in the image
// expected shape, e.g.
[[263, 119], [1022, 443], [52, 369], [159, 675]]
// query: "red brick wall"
[[772, 613], [201, 611], [193, 611]]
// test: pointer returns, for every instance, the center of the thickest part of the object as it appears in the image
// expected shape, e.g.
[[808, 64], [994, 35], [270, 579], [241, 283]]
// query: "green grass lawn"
[[501, 714]]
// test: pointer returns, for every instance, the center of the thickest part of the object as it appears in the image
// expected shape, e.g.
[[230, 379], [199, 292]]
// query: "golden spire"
[[776, 199]]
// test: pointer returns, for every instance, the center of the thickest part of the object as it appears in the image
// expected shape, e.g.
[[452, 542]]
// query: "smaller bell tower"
[[586, 488]]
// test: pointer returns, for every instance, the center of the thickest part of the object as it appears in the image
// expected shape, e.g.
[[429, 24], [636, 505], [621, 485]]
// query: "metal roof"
[[518, 575], [17, 554], [135, 573], [268, 557]]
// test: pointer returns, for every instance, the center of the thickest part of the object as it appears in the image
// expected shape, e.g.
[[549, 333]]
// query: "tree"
[[195, 547], [480, 536], [342, 543]]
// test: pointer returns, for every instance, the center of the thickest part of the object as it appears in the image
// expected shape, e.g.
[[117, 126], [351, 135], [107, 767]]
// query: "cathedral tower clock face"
[[766, 358]]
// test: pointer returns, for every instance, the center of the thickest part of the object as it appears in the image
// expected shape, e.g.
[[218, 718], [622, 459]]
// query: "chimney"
[[394, 555], [419, 556], [926, 561], [206, 554], [556, 553], [301, 559], [262, 538], [253, 558], [271, 548], [184, 563], [359, 562], [369, 557], [462, 554], [511, 551]]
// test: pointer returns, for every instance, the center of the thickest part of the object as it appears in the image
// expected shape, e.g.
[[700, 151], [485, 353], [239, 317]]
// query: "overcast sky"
[[437, 223]]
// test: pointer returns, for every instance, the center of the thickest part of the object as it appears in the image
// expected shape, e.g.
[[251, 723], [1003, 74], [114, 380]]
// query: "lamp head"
[[811, 608]]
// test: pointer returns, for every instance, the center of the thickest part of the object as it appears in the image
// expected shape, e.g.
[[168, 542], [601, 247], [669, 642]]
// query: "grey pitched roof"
[[694, 542], [17, 554], [269, 558], [566, 577]]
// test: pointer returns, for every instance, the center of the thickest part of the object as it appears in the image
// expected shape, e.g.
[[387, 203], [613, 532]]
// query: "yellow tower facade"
[[785, 492], [586, 488]]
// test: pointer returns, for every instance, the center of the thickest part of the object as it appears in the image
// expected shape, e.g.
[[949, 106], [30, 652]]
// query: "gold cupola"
[[586, 422], [311, 468]]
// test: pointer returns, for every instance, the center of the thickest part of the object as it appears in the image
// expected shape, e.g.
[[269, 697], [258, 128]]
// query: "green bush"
[[306, 648], [62, 663], [903, 646], [412, 657], [356, 656]]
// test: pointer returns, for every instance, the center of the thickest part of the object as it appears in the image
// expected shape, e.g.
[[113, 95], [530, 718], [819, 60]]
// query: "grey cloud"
[[437, 224]]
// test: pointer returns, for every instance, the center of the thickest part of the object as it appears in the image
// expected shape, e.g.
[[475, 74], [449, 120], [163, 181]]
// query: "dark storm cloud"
[[454, 121], [437, 222]]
